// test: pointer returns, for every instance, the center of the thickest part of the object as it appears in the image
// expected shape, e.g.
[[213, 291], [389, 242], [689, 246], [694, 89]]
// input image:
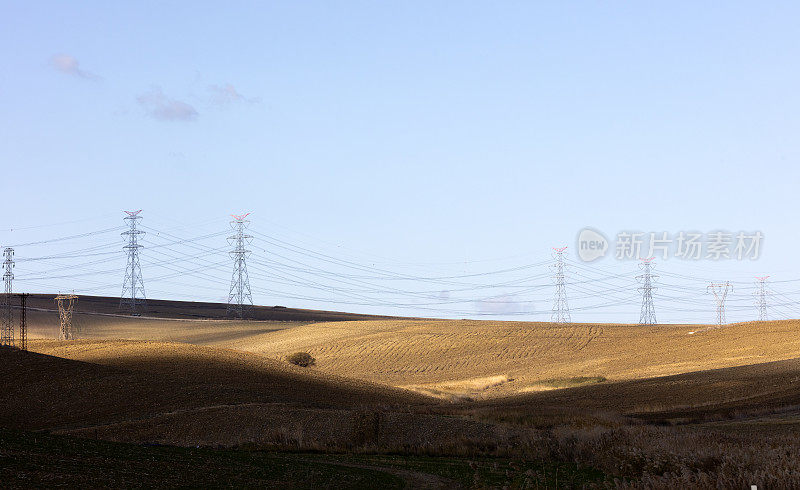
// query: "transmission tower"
[[133, 286], [560, 307], [240, 298], [7, 332], [23, 322], [720, 291], [648, 315], [66, 302], [761, 298]]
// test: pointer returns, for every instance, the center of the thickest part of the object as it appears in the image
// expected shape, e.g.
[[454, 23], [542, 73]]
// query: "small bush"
[[572, 382], [302, 359]]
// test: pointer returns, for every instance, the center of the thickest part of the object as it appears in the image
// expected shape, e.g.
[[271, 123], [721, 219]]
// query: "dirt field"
[[195, 310], [486, 359], [460, 358], [727, 427], [44, 325], [628, 406]]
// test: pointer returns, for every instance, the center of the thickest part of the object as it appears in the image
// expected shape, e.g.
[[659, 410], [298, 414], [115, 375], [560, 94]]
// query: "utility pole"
[[7, 332], [240, 298], [560, 307], [66, 303], [133, 284], [648, 314], [761, 298], [720, 291], [23, 322]]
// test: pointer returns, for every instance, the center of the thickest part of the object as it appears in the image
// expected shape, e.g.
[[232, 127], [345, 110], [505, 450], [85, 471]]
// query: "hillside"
[[188, 395], [96, 383], [769, 392], [99, 326], [675, 406], [460, 358], [196, 310], [488, 359]]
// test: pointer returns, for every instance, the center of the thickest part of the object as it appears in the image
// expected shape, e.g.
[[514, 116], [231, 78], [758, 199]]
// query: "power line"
[[7, 328], [70, 237], [133, 283], [240, 298], [648, 313], [23, 321], [560, 312], [720, 292], [761, 298], [66, 303], [306, 275]]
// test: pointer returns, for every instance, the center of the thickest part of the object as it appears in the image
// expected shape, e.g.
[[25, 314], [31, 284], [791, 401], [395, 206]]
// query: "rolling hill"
[[491, 359], [158, 308], [666, 405], [141, 391], [458, 358]]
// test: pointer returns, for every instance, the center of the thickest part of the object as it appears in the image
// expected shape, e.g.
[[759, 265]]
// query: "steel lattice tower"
[[720, 291], [240, 298], [761, 298], [133, 285], [66, 302], [560, 307], [7, 332], [648, 315], [23, 322]]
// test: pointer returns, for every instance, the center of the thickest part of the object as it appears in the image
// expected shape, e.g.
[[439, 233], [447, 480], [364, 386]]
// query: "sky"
[[407, 142]]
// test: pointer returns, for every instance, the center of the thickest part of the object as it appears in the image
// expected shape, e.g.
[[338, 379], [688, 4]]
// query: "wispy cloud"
[[159, 106], [69, 65], [227, 94], [499, 305]]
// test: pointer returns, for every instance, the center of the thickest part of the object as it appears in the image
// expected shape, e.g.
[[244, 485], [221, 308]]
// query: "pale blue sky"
[[400, 133]]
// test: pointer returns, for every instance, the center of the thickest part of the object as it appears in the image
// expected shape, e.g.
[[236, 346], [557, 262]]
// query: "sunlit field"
[[623, 404]]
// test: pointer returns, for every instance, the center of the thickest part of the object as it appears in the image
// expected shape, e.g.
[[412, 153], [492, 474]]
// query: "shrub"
[[302, 359]]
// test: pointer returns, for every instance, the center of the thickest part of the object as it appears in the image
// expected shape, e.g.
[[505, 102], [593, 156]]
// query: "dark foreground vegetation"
[[40, 459]]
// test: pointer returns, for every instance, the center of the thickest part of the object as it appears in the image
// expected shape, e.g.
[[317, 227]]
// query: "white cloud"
[[159, 106], [499, 305], [227, 94], [69, 65]]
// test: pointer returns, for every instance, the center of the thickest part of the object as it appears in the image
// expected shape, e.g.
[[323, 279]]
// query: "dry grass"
[[669, 457], [462, 389], [187, 395], [652, 406], [148, 394], [96, 383], [440, 355], [195, 310], [655, 406], [467, 359], [736, 393], [44, 325], [224, 367]]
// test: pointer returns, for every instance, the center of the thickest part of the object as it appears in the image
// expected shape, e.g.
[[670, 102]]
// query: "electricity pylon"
[[66, 303], [648, 315], [761, 298], [240, 298], [23, 321], [133, 284], [720, 291], [7, 332], [560, 312]]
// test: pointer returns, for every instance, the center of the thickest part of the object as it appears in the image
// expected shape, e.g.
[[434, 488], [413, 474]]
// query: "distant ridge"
[[200, 310]]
